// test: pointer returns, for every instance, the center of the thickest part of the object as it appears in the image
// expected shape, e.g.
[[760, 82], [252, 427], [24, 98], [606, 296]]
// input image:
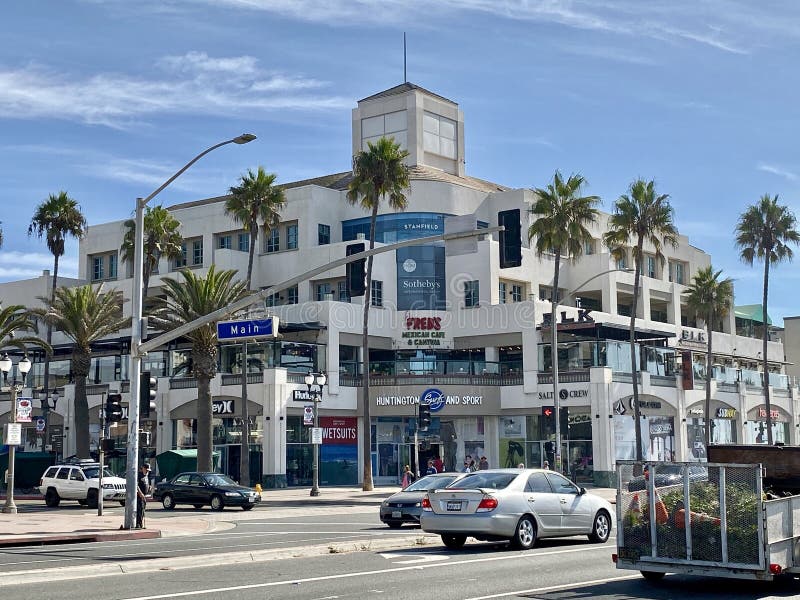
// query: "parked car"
[[518, 505], [667, 475], [80, 480], [405, 505], [200, 489]]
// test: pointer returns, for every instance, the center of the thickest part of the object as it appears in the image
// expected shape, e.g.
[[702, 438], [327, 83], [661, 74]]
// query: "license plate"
[[396, 514], [629, 553], [454, 506]]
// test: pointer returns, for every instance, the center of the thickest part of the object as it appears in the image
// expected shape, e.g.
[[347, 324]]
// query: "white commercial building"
[[459, 328]]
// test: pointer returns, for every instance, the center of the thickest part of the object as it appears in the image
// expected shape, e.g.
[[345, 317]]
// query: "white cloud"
[[777, 170], [27, 265], [195, 84]]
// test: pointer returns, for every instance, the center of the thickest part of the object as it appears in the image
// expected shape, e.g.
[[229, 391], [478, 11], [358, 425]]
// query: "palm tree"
[[254, 201], [162, 237], [641, 216], [711, 298], [378, 173], [562, 215], [56, 219], [192, 297], [764, 232], [15, 319], [84, 314]]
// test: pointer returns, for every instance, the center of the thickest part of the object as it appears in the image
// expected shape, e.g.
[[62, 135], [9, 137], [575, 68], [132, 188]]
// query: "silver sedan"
[[519, 505]]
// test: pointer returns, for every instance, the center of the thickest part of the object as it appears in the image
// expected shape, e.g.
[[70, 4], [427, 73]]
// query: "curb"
[[209, 560], [79, 537]]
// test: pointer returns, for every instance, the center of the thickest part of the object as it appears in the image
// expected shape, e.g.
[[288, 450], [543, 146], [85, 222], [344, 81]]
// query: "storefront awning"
[[610, 331], [751, 312]]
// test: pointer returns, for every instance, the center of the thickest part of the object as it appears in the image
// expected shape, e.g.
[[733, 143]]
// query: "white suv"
[[80, 481]]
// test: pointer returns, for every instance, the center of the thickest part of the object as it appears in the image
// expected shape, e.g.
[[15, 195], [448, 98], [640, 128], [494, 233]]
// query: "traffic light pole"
[[416, 440], [102, 456]]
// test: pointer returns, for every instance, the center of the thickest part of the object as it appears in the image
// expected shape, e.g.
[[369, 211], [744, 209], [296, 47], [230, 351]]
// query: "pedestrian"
[[472, 466], [142, 489], [408, 477], [437, 462], [466, 468], [546, 465], [484, 464], [431, 469]]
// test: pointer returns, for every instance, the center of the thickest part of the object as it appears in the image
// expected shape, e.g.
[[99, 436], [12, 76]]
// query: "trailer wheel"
[[653, 576]]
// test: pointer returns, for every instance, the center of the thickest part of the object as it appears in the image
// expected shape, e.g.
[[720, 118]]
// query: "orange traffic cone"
[[694, 517], [662, 516]]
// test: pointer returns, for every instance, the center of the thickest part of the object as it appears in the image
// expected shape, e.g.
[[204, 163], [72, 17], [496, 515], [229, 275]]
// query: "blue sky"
[[107, 98]]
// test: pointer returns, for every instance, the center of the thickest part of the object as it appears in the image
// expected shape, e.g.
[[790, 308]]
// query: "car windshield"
[[429, 483], [217, 479], [495, 481], [94, 472]]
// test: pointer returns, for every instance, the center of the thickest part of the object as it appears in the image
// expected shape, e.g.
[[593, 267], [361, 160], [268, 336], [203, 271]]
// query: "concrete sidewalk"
[[57, 525]]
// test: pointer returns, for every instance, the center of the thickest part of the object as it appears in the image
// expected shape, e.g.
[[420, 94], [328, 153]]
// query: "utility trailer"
[[717, 524]]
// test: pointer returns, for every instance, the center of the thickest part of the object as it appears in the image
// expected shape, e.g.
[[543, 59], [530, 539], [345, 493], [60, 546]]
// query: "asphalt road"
[[259, 531], [555, 570]]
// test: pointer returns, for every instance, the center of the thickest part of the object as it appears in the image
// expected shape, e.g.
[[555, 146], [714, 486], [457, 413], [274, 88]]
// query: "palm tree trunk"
[[251, 253], [204, 428], [554, 360], [637, 413], [764, 339], [367, 447], [81, 361], [709, 332]]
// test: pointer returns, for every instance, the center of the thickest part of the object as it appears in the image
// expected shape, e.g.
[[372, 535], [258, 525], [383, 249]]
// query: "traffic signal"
[[548, 424], [356, 271], [147, 394], [510, 238], [424, 416], [114, 408]]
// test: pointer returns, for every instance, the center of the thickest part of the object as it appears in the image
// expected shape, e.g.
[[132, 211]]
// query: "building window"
[[439, 135], [516, 293], [323, 234], [677, 273], [471, 289], [181, 260], [546, 293], [393, 125], [376, 297], [502, 292], [291, 295], [244, 242], [112, 266], [344, 293], [97, 268], [291, 237], [588, 247], [224, 242], [197, 253], [622, 262], [273, 299], [650, 266], [273, 241], [323, 289]]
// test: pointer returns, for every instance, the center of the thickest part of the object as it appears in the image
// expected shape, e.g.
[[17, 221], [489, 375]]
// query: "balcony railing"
[[564, 377], [229, 379], [433, 379]]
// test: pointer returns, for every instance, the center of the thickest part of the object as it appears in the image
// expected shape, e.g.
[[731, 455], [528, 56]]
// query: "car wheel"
[[394, 524], [122, 502], [198, 506], [454, 542], [525, 535], [51, 498], [216, 502], [168, 502], [82, 502], [653, 575], [248, 506], [91, 498], [601, 528]]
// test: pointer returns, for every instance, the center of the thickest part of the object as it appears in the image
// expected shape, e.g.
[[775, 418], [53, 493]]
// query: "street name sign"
[[247, 329]]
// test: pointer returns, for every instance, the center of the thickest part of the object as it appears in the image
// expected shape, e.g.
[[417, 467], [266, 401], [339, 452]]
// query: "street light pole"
[[137, 333], [554, 359], [5, 366], [319, 380]]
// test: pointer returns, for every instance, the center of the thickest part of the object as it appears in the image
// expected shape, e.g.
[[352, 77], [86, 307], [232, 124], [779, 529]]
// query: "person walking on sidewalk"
[[408, 477], [142, 488]]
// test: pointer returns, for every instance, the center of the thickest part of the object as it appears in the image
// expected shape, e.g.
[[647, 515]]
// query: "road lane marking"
[[553, 588], [410, 561], [437, 565]]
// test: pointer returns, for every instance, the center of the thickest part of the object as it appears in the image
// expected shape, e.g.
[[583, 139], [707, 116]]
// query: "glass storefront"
[[338, 456], [658, 437]]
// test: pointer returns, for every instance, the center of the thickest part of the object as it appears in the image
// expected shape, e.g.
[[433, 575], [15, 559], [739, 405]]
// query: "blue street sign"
[[250, 328]]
